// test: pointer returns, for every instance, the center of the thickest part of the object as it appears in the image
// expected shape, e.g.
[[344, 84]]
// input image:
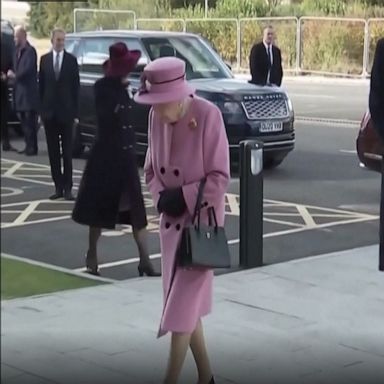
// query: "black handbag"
[[203, 246]]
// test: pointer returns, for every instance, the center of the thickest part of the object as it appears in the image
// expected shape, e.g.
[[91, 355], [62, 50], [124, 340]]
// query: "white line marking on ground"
[[282, 222], [13, 169], [349, 124], [353, 151], [58, 269], [309, 222], [25, 214], [38, 201], [311, 95], [121, 262], [237, 241], [35, 212], [13, 191], [30, 180], [284, 203], [320, 226], [41, 221]]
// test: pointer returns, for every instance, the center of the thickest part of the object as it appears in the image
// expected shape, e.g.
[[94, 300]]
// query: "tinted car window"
[[201, 61], [95, 51], [72, 46]]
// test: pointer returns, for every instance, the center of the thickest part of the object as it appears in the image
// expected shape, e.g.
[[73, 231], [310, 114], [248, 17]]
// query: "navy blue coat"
[[376, 95], [25, 89], [111, 173]]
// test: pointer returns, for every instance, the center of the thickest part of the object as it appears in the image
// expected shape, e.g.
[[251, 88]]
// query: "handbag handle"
[[199, 200], [212, 214]]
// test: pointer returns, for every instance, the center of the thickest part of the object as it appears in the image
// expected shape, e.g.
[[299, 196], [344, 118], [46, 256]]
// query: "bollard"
[[381, 225], [251, 204]]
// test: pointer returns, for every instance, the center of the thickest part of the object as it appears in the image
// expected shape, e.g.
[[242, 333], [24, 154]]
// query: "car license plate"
[[271, 126]]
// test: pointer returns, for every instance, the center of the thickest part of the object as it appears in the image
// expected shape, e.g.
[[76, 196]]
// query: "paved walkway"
[[315, 320]]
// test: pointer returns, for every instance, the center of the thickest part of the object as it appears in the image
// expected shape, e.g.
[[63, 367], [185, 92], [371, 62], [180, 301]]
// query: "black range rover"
[[249, 111]]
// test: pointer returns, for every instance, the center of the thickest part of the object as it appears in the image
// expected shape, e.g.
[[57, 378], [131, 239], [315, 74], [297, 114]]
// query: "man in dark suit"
[[376, 107], [265, 61], [25, 92], [7, 51], [59, 89]]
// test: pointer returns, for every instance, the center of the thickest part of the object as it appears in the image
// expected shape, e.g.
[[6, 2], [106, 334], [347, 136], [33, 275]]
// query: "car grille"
[[261, 107]]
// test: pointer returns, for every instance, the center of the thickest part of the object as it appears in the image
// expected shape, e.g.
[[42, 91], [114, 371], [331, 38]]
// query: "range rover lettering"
[[249, 111]]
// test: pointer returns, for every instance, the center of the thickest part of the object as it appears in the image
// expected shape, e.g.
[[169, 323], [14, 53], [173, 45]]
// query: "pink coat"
[[181, 155]]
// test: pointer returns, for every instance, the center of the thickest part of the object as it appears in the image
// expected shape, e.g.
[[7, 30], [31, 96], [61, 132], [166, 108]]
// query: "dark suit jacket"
[[25, 91], [258, 64], [59, 98], [376, 95]]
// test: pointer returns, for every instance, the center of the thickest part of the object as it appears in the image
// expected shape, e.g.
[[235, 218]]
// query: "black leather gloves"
[[172, 202]]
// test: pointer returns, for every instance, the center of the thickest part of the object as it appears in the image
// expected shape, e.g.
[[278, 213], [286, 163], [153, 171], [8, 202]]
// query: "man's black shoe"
[[56, 195], [30, 153], [8, 147], [68, 196]]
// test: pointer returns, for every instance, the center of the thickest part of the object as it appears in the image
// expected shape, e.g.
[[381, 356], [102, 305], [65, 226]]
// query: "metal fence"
[[322, 45]]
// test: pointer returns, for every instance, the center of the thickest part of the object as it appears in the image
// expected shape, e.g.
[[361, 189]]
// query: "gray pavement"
[[315, 320]]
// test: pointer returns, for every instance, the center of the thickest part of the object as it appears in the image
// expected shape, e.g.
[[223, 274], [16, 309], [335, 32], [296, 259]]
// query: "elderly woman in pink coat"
[[187, 143]]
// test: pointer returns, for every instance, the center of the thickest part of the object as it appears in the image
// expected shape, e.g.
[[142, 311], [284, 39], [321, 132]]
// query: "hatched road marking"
[[287, 217]]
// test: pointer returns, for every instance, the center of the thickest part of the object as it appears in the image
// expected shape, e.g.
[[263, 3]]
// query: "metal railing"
[[318, 42], [346, 54], [232, 45], [99, 13], [164, 24]]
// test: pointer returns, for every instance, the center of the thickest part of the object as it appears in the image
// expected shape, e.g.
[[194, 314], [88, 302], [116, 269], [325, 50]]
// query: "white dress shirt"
[[269, 48]]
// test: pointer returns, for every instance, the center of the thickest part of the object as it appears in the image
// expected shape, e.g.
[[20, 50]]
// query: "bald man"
[[25, 89]]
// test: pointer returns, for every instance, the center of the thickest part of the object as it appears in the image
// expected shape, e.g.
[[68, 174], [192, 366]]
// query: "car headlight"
[[231, 107], [290, 106]]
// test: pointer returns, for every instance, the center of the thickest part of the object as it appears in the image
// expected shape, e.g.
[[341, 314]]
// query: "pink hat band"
[[163, 81], [162, 86]]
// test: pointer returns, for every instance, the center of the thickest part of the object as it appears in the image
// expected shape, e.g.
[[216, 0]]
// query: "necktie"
[[57, 66], [269, 56]]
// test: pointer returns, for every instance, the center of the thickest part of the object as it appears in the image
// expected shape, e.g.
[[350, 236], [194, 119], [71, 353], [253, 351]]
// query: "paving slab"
[[316, 320]]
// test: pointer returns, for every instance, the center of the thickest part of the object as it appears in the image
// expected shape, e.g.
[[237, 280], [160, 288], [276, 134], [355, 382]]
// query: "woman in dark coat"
[[110, 190]]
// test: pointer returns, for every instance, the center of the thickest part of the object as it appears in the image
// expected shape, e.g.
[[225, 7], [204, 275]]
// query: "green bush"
[[161, 25], [332, 46], [376, 29]]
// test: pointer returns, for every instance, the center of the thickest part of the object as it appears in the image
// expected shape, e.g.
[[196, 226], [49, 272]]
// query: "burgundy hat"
[[121, 60], [163, 81]]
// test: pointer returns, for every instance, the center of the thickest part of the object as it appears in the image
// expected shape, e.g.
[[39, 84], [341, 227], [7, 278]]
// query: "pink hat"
[[163, 81]]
